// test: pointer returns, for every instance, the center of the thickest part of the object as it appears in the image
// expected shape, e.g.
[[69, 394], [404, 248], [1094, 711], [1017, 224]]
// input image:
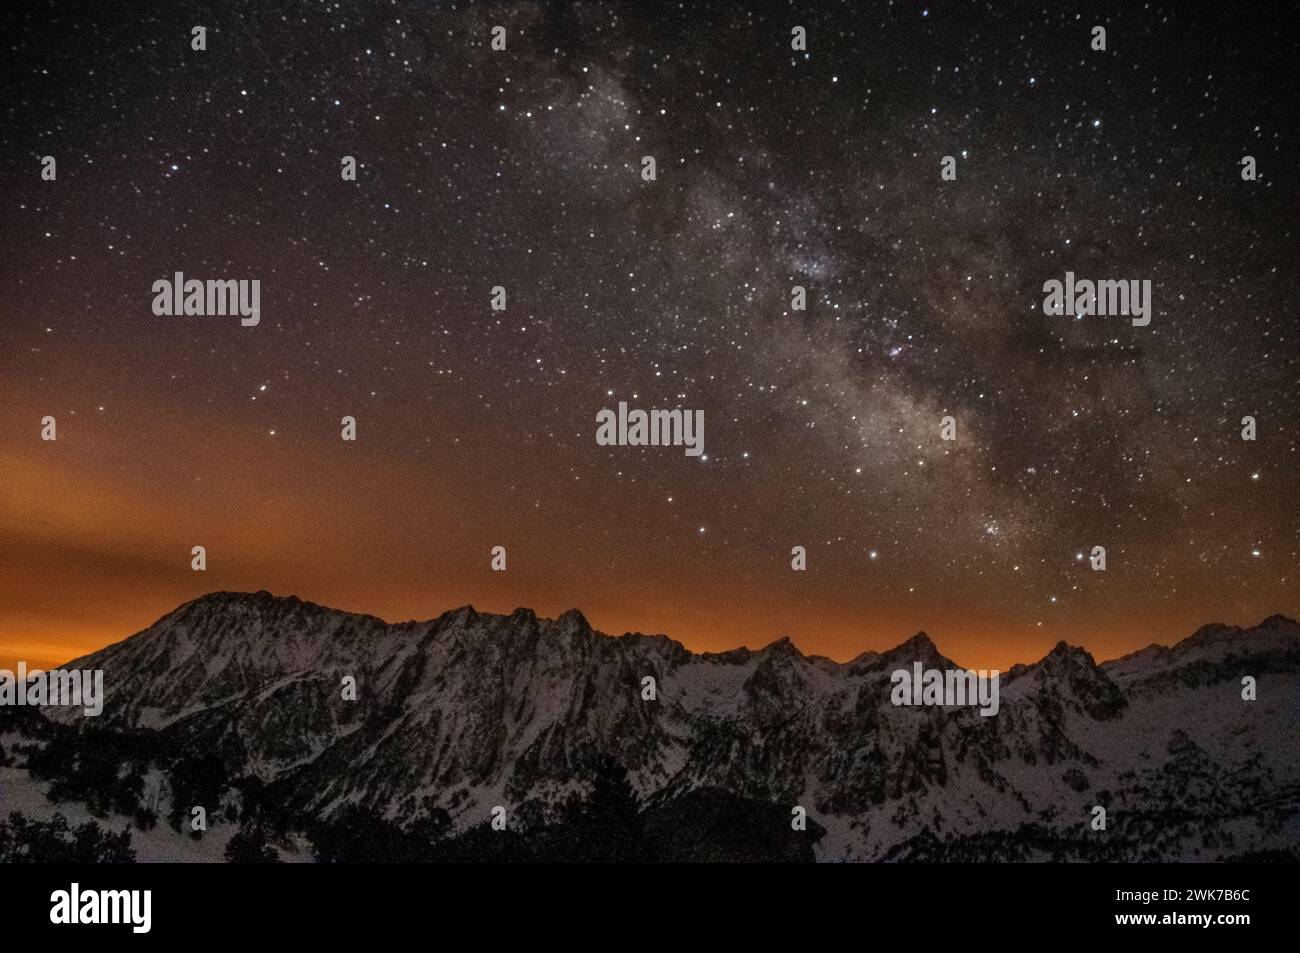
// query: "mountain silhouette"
[[239, 699]]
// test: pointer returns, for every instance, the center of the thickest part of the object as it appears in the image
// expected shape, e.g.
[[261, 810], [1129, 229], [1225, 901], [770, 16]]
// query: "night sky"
[[775, 168]]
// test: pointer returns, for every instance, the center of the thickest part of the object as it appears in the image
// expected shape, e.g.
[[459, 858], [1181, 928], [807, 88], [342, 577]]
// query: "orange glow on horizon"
[[93, 552]]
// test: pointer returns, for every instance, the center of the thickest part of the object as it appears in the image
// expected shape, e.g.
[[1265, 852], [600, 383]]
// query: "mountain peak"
[[572, 619], [1278, 621], [261, 599], [919, 648], [1064, 650], [1210, 633], [921, 644], [782, 647], [1063, 659], [1067, 657]]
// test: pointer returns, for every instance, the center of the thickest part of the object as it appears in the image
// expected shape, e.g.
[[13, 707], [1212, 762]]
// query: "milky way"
[[775, 168]]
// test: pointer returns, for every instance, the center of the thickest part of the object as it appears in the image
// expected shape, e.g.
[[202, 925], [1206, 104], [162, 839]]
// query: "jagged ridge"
[[474, 709]]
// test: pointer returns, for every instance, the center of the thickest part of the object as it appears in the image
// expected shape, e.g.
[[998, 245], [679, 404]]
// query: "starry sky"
[[775, 168]]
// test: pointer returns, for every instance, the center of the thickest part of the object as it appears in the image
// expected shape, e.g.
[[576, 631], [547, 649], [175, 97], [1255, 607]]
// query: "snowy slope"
[[475, 709]]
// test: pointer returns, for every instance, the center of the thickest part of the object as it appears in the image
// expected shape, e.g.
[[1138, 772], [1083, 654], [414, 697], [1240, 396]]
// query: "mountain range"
[[471, 711]]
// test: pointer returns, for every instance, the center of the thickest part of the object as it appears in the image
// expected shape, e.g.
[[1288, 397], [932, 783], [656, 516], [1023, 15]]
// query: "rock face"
[[474, 710]]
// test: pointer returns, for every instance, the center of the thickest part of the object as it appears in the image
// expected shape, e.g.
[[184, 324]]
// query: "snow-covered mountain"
[[472, 710]]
